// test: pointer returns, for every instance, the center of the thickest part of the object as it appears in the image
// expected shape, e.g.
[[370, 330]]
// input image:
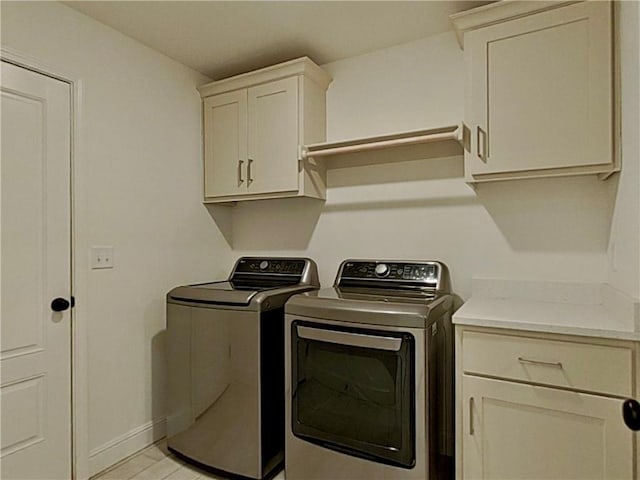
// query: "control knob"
[[382, 270], [264, 265]]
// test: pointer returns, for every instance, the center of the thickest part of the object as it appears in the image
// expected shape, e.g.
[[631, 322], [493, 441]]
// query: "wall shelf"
[[433, 135]]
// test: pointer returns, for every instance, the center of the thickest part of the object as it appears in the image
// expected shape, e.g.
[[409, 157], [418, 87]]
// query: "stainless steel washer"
[[369, 375], [225, 344]]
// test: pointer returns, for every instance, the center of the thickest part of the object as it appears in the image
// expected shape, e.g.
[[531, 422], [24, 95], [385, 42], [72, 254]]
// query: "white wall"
[[411, 86], [138, 178], [422, 209]]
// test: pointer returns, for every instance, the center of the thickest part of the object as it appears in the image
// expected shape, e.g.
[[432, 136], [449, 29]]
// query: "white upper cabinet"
[[254, 125], [539, 89]]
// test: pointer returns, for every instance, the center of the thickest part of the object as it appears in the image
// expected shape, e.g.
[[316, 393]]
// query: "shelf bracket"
[[303, 153]]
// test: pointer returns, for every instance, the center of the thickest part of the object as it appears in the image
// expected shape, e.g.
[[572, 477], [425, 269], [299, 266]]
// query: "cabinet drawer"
[[580, 366]]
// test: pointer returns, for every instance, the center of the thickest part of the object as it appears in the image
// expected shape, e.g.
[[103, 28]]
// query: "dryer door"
[[354, 391]]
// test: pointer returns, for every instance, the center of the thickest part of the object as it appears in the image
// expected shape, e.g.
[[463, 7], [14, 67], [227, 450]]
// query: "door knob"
[[60, 304], [631, 414]]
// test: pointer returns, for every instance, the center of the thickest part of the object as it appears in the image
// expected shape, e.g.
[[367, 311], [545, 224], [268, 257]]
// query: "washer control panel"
[[427, 273], [270, 266]]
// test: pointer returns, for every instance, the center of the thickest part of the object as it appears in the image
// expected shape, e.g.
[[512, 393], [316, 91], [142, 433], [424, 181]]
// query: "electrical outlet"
[[102, 257]]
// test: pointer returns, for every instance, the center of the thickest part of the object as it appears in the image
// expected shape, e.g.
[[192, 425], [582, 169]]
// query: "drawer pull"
[[540, 362]]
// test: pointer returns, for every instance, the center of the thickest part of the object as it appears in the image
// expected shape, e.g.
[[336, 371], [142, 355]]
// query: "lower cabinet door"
[[517, 431]]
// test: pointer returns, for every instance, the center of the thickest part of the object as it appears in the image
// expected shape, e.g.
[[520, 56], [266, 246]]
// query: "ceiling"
[[223, 38]]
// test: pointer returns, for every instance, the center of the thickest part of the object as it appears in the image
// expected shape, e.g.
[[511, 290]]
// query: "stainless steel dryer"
[[225, 343], [369, 375]]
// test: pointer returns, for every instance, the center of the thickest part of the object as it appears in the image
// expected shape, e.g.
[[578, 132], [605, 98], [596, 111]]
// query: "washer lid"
[[281, 277], [233, 294], [219, 293]]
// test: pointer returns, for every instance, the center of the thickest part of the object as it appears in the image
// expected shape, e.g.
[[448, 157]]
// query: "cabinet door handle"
[[240, 180], [481, 152], [631, 414], [540, 362], [471, 429], [249, 179]]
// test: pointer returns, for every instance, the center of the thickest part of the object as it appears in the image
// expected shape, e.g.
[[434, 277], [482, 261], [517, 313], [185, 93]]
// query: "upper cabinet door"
[[539, 94], [225, 140], [273, 136]]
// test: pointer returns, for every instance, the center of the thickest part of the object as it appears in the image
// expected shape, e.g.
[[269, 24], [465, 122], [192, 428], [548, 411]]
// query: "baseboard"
[[125, 445]]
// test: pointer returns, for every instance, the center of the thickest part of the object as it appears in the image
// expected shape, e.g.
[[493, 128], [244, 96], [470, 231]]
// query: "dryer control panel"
[[376, 273]]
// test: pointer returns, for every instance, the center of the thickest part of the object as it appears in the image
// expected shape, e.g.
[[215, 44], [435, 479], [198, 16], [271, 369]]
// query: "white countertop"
[[594, 310]]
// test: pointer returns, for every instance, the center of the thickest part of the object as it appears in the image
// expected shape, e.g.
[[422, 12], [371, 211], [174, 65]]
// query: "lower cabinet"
[[519, 431], [536, 406]]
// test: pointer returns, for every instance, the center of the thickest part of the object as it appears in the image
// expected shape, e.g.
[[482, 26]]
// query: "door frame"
[[79, 448]]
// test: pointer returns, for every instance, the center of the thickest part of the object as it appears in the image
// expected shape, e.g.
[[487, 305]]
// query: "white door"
[[524, 432], [36, 269]]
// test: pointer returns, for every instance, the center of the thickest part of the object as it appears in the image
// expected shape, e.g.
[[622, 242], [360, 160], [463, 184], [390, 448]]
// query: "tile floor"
[[157, 463]]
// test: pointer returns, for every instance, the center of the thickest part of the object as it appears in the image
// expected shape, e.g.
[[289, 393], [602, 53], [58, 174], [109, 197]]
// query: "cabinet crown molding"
[[499, 12], [300, 66]]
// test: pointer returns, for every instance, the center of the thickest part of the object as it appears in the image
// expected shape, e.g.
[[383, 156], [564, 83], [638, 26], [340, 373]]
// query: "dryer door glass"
[[353, 391]]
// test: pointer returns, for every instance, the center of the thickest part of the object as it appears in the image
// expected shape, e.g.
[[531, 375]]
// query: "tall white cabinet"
[[539, 96], [254, 125]]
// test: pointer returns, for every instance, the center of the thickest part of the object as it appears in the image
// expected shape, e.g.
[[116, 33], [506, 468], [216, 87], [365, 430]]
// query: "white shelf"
[[433, 135]]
